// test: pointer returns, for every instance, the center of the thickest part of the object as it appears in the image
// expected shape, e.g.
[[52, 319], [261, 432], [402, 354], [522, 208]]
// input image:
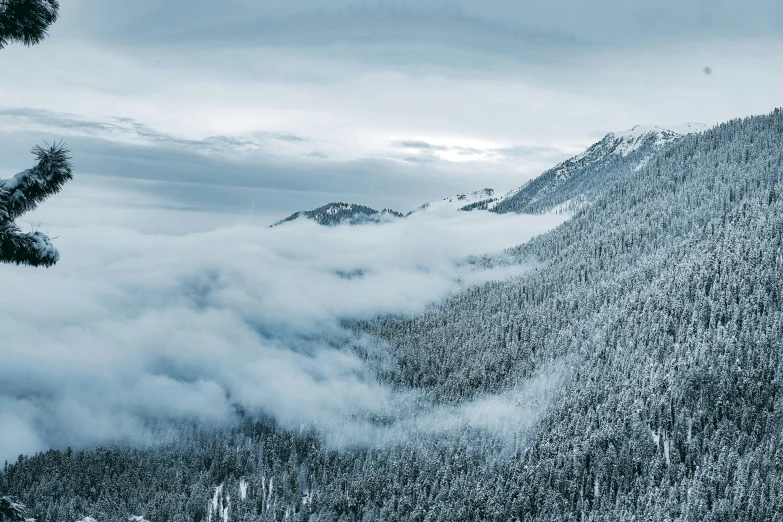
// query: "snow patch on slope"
[[633, 139], [457, 202]]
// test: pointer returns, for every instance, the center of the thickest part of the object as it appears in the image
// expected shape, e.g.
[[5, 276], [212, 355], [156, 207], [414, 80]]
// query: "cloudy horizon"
[[277, 108]]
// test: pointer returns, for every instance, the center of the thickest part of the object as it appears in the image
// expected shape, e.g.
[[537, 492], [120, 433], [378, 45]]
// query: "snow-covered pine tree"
[[26, 22]]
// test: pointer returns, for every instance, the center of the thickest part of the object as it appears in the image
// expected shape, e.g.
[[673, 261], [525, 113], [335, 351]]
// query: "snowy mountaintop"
[[643, 130], [634, 138]]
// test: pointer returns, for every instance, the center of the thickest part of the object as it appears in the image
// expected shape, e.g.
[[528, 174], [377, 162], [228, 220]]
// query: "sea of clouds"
[[157, 315]]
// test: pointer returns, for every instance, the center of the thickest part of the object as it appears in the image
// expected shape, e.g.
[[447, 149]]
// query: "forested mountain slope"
[[665, 295]]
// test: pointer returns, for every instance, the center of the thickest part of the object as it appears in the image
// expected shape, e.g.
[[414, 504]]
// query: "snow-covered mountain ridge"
[[458, 202], [580, 178], [333, 214], [657, 136], [566, 187]]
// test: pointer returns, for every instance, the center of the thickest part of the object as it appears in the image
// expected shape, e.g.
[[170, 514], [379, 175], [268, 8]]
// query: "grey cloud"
[[425, 152], [316, 154], [483, 26], [521, 151], [417, 144], [123, 128]]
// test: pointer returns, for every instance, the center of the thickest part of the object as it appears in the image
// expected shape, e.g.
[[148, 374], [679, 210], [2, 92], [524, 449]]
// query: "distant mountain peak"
[[333, 214]]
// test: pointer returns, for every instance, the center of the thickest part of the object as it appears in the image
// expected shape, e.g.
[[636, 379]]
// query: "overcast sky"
[[279, 106]]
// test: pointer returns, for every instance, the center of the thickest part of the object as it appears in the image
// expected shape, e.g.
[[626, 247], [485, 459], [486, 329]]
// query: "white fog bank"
[[132, 326]]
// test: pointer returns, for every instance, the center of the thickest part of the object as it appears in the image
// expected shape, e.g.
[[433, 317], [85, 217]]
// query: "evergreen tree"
[[26, 22]]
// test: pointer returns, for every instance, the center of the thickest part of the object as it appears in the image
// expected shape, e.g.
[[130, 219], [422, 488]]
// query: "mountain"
[[578, 180], [458, 202], [662, 304], [567, 186], [333, 214]]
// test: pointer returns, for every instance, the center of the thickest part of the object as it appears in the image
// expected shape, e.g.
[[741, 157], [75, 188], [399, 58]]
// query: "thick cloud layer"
[[134, 327], [608, 22]]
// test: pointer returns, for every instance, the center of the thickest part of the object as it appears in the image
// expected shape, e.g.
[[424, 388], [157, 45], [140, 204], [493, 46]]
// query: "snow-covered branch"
[[21, 194], [32, 248]]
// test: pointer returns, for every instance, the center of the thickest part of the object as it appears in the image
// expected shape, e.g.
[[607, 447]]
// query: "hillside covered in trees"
[[661, 303]]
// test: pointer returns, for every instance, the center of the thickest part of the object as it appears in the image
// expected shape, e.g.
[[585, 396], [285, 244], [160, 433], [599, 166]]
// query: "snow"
[[456, 202], [44, 247], [632, 139], [645, 130], [656, 437], [242, 489], [666, 449], [16, 184], [216, 505], [11, 184], [338, 207]]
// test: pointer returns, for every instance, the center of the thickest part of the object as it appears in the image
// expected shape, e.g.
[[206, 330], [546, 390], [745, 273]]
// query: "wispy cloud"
[[131, 131], [420, 151]]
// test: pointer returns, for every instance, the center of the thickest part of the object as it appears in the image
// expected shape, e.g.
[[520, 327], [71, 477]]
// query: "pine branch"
[[24, 191], [31, 248], [26, 21], [21, 194]]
